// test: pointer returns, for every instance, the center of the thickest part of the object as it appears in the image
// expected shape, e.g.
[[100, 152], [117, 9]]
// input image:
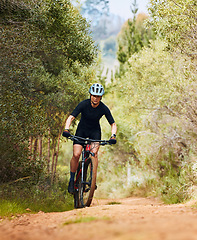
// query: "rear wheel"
[[87, 187]]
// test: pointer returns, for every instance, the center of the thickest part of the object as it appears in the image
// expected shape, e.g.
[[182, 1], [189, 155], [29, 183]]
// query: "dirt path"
[[133, 219]]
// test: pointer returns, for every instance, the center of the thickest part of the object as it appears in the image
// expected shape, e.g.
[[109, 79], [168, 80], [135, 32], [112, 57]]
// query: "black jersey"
[[90, 116]]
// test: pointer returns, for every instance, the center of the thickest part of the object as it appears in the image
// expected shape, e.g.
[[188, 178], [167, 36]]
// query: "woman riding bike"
[[91, 110]]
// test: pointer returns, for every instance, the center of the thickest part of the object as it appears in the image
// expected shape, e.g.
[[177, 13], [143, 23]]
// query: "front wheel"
[[86, 186]]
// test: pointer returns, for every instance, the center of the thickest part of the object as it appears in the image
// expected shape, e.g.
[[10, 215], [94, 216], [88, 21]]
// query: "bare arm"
[[113, 128], [69, 121]]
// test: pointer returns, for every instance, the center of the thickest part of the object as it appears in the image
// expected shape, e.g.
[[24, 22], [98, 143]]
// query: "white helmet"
[[96, 89]]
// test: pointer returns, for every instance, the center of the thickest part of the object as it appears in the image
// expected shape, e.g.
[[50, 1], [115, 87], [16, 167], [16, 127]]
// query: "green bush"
[[30, 196]]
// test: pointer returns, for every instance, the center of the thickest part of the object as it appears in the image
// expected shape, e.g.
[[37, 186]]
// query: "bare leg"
[[94, 149], [77, 149]]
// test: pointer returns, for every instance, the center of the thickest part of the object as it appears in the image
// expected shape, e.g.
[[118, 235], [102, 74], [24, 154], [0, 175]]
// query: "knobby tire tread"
[[78, 196], [93, 183]]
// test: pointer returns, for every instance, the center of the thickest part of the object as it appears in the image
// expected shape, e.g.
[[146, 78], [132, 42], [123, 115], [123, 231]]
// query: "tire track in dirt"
[[132, 219]]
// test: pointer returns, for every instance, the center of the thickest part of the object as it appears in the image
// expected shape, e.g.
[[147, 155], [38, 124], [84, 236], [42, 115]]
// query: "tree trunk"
[[30, 147], [58, 144], [48, 157], [40, 146], [52, 165], [35, 148]]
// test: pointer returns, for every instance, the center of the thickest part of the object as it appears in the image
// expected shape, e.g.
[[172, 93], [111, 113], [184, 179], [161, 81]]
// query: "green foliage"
[[156, 96], [15, 163], [154, 106], [176, 22], [133, 36], [45, 69], [156, 85], [29, 196], [86, 219]]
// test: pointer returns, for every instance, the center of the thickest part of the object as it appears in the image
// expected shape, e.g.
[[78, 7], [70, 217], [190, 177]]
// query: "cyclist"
[[91, 110]]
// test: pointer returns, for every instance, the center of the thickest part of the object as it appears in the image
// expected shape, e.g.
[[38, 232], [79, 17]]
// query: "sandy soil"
[[133, 219]]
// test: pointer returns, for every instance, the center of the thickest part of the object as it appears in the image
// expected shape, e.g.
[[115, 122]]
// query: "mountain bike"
[[85, 180]]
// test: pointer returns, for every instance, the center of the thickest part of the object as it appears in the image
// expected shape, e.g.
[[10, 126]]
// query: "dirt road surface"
[[131, 219]]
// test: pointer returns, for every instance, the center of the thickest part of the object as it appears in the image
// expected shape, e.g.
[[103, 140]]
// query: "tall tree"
[[175, 20], [45, 59], [133, 36]]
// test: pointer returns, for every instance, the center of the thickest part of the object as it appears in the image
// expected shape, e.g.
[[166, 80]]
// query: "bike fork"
[[82, 167]]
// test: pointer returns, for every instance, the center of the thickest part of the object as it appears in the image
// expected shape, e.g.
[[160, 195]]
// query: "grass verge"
[[28, 197], [85, 220]]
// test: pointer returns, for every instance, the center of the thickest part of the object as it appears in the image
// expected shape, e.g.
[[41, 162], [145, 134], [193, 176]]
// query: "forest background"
[[51, 54]]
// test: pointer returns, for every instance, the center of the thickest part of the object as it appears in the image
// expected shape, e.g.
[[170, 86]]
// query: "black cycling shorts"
[[85, 133]]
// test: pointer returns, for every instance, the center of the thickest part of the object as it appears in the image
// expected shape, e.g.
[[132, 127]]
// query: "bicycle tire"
[[86, 190], [76, 192], [76, 199]]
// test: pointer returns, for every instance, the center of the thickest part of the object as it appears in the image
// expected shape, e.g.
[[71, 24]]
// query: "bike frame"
[[81, 189], [85, 154]]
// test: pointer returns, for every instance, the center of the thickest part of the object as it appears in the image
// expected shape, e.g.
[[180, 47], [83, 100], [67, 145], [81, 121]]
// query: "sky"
[[122, 7]]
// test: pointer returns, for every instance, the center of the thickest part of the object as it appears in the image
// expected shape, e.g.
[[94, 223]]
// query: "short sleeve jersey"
[[90, 116]]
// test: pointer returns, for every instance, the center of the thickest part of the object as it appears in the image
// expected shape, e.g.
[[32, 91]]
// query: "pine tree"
[[133, 36]]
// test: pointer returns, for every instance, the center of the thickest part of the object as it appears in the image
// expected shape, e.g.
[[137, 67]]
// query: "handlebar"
[[89, 141]]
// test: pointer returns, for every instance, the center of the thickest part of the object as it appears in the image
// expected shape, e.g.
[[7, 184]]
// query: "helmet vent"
[[96, 89]]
